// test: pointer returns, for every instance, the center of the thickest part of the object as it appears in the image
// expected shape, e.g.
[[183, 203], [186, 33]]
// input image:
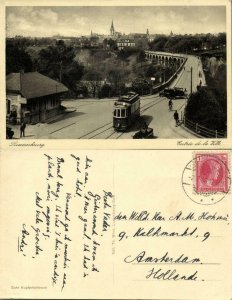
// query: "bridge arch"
[[166, 61]]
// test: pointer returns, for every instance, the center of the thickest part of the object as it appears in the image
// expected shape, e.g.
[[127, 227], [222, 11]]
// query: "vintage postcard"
[[116, 75], [149, 224], [115, 150]]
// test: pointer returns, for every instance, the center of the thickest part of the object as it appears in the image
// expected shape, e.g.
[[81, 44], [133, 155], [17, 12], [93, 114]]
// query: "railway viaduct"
[[165, 58]]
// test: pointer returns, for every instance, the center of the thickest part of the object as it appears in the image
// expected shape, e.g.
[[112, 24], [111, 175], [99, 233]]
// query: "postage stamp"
[[206, 179], [211, 172]]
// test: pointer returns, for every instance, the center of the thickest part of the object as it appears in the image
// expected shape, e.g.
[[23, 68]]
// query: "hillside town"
[[49, 80]]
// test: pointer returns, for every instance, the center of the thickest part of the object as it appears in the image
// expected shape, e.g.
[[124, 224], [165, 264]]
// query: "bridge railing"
[[202, 130], [170, 80], [171, 54]]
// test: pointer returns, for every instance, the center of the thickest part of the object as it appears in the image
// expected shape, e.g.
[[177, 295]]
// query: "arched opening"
[[166, 61]]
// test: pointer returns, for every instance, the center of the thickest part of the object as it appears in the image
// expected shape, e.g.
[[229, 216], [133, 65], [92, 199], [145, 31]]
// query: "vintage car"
[[144, 134], [173, 93]]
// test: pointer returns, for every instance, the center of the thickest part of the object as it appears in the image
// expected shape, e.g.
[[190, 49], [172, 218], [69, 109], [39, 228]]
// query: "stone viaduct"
[[165, 58]]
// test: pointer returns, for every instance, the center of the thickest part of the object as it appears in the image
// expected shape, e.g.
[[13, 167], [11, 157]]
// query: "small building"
[[125, 42], [33, 97]]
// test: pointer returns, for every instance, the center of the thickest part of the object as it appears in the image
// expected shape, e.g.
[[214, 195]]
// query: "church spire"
[[112, 30]]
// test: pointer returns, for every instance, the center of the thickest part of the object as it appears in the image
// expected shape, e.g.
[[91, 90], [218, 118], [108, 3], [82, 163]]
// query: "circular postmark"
[[206, 178]]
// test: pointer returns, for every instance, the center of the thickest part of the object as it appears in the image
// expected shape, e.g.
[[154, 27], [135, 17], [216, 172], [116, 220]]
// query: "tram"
[[126, 111]]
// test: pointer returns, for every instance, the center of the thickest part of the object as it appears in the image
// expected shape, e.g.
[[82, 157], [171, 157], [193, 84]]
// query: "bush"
[[204, 108], [105, 92], [141, 86]]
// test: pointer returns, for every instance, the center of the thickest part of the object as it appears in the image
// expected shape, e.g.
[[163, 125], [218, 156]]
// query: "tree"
[[94, 78], [159, 43], [141, 57], [204, 108], [17, 58], [122, 56], [109, 43], [117, 77], [54, 59], [72, 74], [141, 86], [105, 91], [151, 71], [81, 89], [142, 44], [58, 62]]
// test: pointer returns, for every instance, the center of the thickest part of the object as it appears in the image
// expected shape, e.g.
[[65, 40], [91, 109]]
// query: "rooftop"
[[33, 85], [126, 39]]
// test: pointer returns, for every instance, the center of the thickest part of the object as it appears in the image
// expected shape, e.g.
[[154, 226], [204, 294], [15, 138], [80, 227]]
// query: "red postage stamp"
[[211, 172]]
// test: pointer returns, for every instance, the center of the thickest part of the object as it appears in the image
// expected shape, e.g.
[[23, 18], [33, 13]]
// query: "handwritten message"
[[71, 215]]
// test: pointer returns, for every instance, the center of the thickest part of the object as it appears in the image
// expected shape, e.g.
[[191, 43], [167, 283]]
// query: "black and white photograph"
[[116, 72]]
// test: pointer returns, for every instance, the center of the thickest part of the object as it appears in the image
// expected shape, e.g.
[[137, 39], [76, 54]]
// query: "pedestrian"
[[170, 104], [22, 129], [176, 118]]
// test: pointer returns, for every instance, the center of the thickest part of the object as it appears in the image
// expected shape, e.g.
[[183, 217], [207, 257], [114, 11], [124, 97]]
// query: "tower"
[[147, 33], [112, 30]]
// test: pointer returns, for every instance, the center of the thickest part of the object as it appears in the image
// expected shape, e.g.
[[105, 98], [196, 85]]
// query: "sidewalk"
[[178, 132], [40, 129]]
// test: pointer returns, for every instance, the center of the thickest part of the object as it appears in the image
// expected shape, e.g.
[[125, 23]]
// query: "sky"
[[39, 21]]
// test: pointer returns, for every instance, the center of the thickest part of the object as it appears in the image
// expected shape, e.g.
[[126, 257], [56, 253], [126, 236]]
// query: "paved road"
[[92, 119]]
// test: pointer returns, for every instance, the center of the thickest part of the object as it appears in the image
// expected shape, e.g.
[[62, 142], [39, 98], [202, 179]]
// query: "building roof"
[[126, 40], [33, 85]]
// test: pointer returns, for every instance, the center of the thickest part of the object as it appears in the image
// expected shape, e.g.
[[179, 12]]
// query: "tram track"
[[88, 133], [104, 129], [149, 106], [115, 134], [100, 130]]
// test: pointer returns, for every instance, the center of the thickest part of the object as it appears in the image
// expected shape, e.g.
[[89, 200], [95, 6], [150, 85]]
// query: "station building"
[[32, 97]]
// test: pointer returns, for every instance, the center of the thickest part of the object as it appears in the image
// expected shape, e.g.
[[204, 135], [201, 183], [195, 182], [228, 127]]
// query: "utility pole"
[[191, 87], [61, 70]]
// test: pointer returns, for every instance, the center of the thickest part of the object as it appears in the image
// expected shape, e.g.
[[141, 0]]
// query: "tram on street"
[[126, 111]]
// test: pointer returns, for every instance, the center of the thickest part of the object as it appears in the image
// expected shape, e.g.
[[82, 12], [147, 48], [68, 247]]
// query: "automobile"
[[9, 133], [166, 92], [144, 134], [173, 93]]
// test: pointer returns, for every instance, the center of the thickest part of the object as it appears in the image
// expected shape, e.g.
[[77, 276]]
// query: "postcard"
[[116, 225], [116, 75], [115, 149]]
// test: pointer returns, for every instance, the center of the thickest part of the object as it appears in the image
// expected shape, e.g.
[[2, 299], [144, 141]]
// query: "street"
[[92, 118]]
